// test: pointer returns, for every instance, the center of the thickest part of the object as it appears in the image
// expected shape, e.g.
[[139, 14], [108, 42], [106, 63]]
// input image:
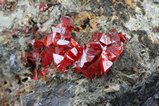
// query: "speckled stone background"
[[134, 74]]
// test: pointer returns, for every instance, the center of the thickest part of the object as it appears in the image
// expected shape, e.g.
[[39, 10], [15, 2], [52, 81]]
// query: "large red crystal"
[[92, 59]]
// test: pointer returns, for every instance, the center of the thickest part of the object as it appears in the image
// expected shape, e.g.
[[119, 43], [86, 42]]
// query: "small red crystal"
[[43, 72], [42, 7], [35, 75]]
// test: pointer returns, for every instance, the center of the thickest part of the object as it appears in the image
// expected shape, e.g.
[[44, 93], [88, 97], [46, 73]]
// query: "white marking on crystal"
[[105, 39], [104, 47], [53, 35], [69, 57], [57, 58], [105, 62], [83, 58], [74, 51], [32, 42], [63, 30], [56, 29], [49, 40], [62, 42]]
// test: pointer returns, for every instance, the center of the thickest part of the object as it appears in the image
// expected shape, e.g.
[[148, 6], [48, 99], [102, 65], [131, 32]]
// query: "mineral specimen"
[[59, 47]]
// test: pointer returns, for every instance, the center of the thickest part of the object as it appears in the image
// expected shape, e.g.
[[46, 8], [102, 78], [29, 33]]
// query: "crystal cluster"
[[59, 47]]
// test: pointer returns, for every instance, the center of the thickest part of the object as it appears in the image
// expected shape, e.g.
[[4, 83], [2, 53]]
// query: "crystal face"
[[61, 49]]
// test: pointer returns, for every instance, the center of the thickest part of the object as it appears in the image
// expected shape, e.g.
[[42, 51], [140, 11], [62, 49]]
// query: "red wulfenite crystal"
[[35, 75], [91, 60], [100, 53]]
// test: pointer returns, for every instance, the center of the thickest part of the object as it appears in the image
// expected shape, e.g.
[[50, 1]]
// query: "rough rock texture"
[[138, 19], [145, 94]]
